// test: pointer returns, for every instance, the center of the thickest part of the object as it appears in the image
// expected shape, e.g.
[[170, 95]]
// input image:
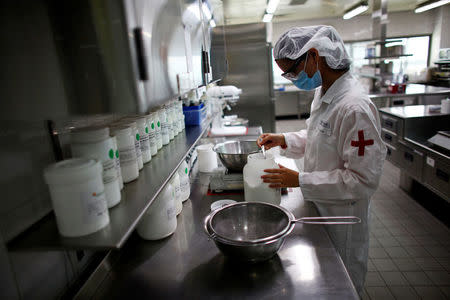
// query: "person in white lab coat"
[[342, 147]]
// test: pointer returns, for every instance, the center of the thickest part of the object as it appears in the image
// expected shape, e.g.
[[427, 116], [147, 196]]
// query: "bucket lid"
[[75, 170], [89, 135]]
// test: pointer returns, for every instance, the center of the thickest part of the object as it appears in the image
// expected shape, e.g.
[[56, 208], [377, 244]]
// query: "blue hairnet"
[[298, 40]]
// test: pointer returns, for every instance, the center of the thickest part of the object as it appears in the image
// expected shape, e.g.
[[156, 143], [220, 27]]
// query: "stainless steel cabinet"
[[411, 160], [437, 175]]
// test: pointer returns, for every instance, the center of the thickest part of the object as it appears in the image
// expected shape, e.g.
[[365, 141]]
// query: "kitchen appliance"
[[249, 57], [254, 231]]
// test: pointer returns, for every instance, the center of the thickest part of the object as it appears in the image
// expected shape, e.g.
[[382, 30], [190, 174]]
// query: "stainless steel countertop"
[[187, 265], [411, 111], [412, 89]]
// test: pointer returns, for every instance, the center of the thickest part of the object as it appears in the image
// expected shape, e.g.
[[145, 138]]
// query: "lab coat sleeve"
[[360, 172], [295, 144]]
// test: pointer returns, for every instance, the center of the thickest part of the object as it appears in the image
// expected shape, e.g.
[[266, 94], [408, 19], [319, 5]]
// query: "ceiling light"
[[267, 18], [356, 10], [212, 23], [430, 5], [272, 6]]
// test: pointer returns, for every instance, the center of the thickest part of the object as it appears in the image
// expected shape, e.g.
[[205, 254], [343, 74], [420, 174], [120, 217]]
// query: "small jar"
[[77, 195], [127, 152], [180, 111], [164, 125], [160, 220], [144, 142], [117, 161], [185, 185], [158, 133], [136, 139], [152, 133], [175, 182], [95, 142], [169, 121], [173, 109]]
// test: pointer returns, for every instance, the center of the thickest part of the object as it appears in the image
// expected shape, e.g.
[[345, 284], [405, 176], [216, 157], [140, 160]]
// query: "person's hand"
[[279, 178], [270, 140]]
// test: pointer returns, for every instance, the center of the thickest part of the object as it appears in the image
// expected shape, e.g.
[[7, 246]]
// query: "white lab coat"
[[342, 166]]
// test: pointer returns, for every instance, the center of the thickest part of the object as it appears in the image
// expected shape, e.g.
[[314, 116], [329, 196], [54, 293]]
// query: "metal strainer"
[[256, 222]]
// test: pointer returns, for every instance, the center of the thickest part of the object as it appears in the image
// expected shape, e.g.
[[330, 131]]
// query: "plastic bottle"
[[117, 161], [127, 152], [95, 142], [152, 133], [180, 107], [77, 194], [160, 220], [185, 185], [255, 189], [175, 182], [164, 125]]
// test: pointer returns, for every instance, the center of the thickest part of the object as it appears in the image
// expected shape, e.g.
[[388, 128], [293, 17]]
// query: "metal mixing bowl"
[[233, 154]]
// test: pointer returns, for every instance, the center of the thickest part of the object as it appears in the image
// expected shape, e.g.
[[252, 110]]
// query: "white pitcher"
[[254, 188]]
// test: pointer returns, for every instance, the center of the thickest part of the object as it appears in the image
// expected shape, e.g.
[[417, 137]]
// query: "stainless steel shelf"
[[388, 56], [137, 196]]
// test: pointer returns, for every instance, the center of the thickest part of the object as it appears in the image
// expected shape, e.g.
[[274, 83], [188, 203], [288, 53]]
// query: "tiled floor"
[[409, 255]]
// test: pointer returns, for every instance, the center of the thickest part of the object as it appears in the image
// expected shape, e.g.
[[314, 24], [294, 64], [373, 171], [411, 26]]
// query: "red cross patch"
[[361, 143]]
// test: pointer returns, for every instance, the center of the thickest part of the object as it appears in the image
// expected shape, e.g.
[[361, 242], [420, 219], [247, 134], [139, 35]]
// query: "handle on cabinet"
[[388, 137], [140, 53]]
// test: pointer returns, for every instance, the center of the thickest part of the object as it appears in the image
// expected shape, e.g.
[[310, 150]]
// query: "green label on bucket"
[[117, 153], [159, 124], [137, 136], [186, 170], [153, 125], [111, 153], [146, 129]]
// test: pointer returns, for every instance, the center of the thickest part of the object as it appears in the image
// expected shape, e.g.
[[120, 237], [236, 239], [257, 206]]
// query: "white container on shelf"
[[144, 141], [136, 138], [255, 189], [152, 134], [117, 161], [160, 220], [127, 152], [95, 142], [175, 182], [207, 158], [185, 185], [164, 125], [175, 118], [77, 194], [169, 121], [181, 115], [158, 133]]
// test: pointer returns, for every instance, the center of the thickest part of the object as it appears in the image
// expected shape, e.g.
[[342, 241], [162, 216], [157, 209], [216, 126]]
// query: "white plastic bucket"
[[77, 194], [207, 158]]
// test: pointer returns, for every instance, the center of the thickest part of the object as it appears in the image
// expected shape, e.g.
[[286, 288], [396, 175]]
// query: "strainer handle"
[[345, 220]]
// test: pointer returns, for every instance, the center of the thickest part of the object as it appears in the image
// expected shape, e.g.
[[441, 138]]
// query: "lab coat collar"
[[336, 89]]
